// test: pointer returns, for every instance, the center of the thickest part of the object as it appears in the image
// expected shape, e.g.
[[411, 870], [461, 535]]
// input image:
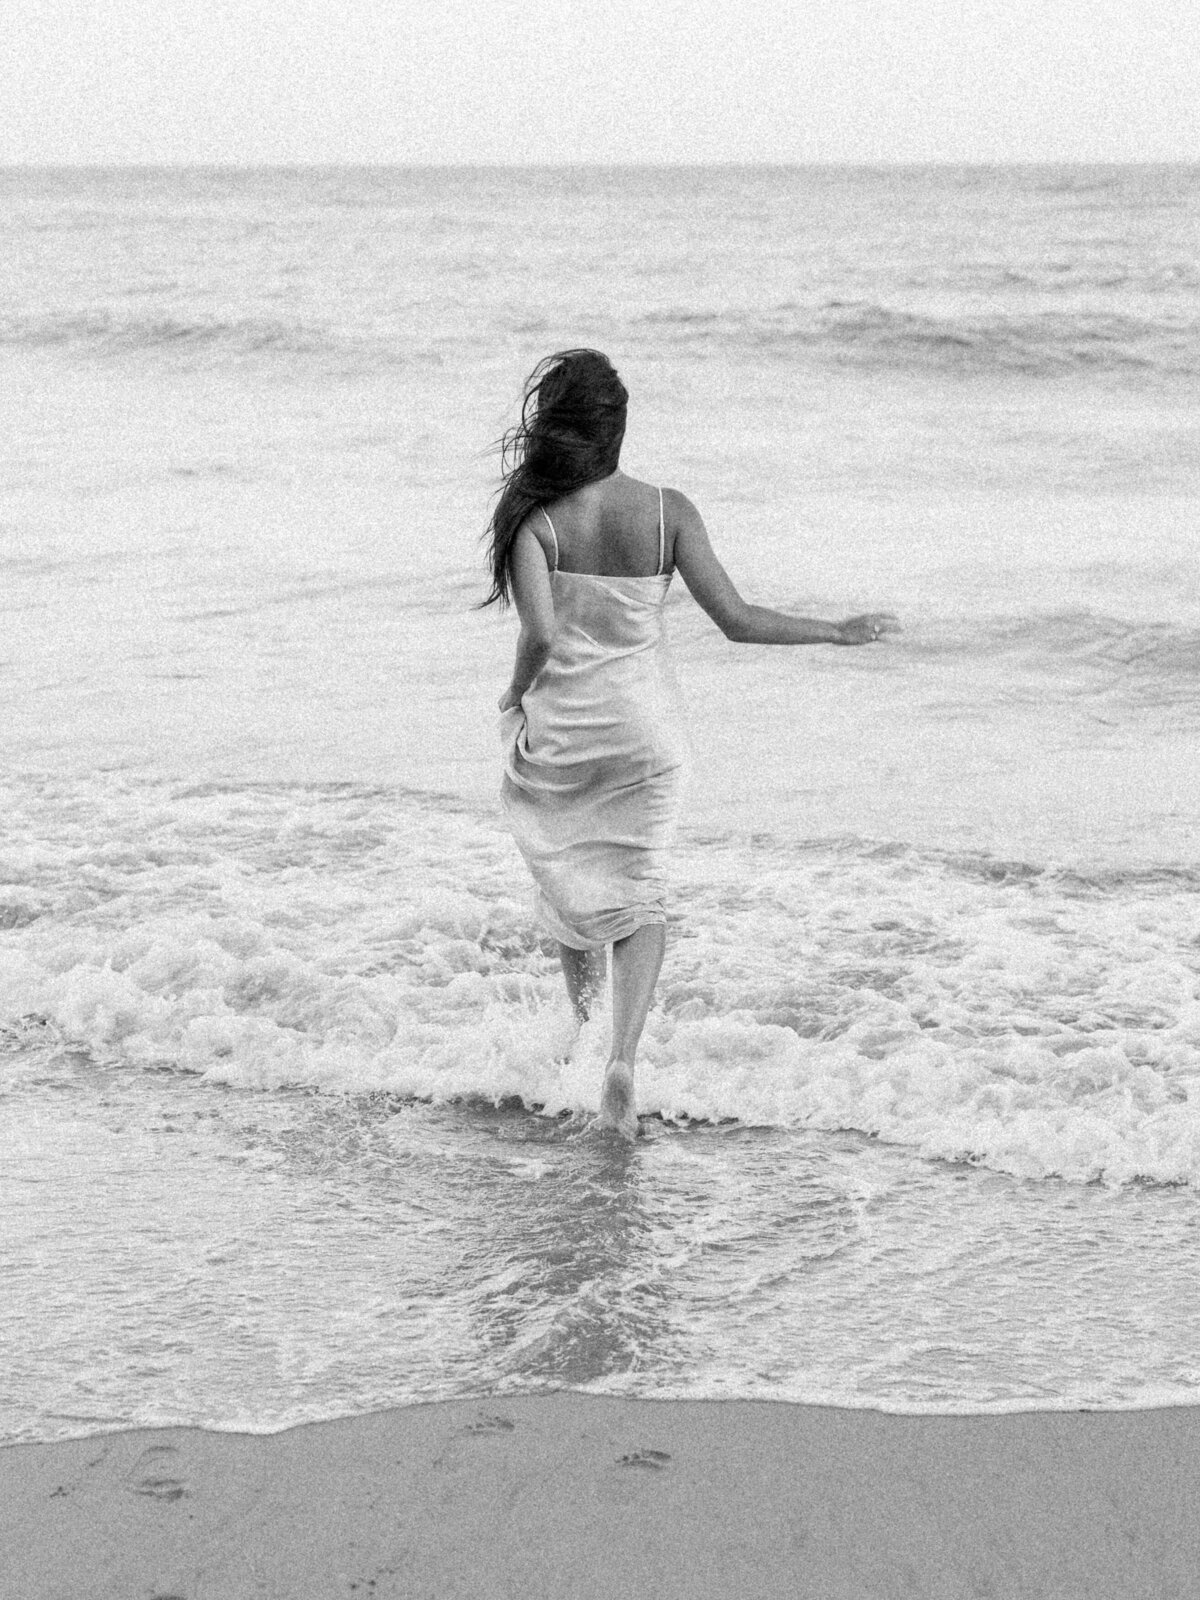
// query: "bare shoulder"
[[678, 507], [684, 524], [536, 527]]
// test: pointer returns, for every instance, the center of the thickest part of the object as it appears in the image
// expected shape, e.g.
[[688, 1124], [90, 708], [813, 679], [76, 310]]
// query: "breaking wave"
[[1041, 1021]]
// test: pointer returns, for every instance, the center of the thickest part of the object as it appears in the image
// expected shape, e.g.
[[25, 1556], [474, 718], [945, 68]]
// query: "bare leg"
[[584, 973], [637, 962]]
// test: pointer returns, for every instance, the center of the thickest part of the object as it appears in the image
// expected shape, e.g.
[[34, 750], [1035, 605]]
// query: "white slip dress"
[[594, 758]]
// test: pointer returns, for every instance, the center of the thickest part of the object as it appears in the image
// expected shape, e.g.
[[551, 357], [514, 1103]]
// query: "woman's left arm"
[[535, 607]]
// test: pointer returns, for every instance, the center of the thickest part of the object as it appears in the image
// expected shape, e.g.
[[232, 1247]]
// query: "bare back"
[[608, 529]]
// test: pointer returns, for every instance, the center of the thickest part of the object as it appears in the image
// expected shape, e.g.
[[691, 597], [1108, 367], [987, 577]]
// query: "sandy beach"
[[581, 1496]]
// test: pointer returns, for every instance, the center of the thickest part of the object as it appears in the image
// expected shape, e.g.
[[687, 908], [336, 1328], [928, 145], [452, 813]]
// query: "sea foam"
[[1035, 1021]]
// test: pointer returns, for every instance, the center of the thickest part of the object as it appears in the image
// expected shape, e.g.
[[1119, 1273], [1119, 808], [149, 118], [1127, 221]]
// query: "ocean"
[[291, 1128]]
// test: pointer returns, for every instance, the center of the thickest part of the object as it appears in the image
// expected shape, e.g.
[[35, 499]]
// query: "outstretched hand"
[[867, 629]]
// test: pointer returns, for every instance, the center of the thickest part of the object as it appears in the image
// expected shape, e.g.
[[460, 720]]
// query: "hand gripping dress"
[[594, 757]]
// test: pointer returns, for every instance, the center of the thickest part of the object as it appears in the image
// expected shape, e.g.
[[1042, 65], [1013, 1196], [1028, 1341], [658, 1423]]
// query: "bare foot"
[[616, 1100]]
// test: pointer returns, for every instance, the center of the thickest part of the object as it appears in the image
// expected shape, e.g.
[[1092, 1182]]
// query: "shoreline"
[[574, 1495]]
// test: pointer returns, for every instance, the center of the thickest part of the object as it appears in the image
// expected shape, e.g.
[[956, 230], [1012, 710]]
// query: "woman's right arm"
[[535, 606], [713, 588]]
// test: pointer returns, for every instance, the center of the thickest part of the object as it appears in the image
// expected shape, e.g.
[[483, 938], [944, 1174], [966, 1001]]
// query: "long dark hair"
[[570, 432]]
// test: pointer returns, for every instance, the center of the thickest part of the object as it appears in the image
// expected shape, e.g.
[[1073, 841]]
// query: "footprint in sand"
[[656, 1460], [491, 1422], [486, 1423], [150, 1474]]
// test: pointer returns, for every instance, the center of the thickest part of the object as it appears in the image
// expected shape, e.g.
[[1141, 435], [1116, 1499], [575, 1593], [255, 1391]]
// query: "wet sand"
[[574, 1497]]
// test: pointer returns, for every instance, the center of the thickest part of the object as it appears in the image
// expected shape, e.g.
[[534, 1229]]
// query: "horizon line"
[[883, 163]]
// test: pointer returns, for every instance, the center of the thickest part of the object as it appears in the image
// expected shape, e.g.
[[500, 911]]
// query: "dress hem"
[[624, 922]]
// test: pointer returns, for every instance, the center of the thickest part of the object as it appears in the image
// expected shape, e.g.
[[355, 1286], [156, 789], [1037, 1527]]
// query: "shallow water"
[[243, 1260]]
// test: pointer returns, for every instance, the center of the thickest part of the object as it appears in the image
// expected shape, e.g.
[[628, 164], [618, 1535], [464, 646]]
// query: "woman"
[[590, 725]]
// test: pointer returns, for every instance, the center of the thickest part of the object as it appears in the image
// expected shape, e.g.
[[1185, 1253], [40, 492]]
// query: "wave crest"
[[106, 334], [862, 333]]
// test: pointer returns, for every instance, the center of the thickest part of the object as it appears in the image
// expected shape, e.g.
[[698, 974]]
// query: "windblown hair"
[[570, 432]]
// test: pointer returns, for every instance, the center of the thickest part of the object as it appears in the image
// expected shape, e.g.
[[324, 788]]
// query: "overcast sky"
[[261, 81]]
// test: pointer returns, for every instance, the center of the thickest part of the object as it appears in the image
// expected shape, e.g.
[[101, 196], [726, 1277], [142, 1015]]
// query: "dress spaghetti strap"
[[553, 535]]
